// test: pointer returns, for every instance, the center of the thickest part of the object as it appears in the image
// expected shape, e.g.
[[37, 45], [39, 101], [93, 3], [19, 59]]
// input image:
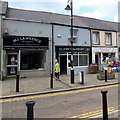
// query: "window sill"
[[108, 45], [78, 66], [40, 69]]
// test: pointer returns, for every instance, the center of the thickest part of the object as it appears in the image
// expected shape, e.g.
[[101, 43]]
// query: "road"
[[82, 103]]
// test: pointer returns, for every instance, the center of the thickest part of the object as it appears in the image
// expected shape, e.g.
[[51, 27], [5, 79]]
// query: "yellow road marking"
[[94, 113], [54, 94]]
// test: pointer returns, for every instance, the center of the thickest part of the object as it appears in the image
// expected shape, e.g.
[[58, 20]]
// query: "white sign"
[[102, 49]]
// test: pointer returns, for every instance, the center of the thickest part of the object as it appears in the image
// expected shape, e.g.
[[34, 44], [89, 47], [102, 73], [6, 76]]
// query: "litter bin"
[[93, 68]]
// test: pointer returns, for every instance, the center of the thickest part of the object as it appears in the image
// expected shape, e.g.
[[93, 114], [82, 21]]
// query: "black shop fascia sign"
[[29, 42], [74, 48]]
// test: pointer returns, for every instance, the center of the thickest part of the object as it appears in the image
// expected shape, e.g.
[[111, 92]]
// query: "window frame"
[[97, 36], [75, 34], [31, 52], [78, 54], [110, 34]]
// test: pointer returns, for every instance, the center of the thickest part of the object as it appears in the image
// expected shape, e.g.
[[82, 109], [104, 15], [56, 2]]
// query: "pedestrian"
[[57, 69]]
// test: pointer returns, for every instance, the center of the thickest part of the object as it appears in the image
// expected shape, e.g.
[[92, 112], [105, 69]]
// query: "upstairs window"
[[108, 39], [95, 38], [75, 34]]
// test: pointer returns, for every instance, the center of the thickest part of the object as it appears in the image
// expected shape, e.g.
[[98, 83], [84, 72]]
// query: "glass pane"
[[95, 38], [31, 59], [107, 38], [69, 60], [12, 59], [83, 60], [75, 60]]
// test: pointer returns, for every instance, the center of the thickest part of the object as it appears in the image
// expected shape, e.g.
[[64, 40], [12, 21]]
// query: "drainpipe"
[[1, 46]]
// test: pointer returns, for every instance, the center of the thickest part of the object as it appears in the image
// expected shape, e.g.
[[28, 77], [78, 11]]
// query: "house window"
[[95, 38], [108, 38], [32, 59], [75, 33]]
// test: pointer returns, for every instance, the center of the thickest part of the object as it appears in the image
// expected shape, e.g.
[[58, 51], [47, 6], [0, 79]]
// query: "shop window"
[[69, 60], [83, 60], [108, 38], [95, 38], [75, 60], [78, 60], [32, 59]]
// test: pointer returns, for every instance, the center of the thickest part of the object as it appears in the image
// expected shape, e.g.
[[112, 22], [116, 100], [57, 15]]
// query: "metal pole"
[[17, 83], [104, 101], [72, 69], [52, 59], [105, 75], [30, 111]]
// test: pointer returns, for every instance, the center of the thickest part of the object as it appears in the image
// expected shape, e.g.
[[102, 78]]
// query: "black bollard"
[[82, 76], [72, 75], [17, 83], [30, 111], [51, 81], [104, 102], [105, 75]]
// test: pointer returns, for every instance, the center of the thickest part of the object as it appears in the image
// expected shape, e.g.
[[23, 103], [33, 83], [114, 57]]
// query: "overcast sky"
[[100, 9]]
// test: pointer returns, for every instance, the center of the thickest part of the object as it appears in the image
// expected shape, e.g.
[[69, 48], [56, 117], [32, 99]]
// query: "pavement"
[[37, 85]]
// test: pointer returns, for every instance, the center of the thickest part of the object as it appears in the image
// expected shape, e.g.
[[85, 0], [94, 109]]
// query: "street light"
[[71, 39]]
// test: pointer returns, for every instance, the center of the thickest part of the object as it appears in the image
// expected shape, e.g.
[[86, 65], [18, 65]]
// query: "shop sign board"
[[74, 48], [15, 42], [102, 49]]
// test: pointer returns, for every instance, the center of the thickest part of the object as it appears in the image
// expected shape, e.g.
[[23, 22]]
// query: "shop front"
[[81, 58], [25, 54], [103, 54]]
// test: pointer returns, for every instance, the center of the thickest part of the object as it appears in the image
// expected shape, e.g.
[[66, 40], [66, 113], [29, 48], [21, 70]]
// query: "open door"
[[63, 64]]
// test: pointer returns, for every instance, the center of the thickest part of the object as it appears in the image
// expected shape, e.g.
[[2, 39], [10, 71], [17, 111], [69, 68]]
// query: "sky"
[[100, 9]]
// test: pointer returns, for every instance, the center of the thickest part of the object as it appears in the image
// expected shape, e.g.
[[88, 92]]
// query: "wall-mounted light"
[[59, 36], [5, 31]]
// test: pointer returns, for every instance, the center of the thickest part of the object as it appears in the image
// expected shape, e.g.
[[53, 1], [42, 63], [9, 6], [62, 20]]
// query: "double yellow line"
[[54, 94], [91, 114]]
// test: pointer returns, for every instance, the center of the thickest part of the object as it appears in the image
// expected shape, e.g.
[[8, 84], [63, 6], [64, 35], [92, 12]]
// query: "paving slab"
[[29, 85]]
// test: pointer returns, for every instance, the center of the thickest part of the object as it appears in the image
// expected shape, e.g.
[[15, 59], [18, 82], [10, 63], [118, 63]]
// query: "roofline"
[[24, 20], [82, 27], [53, 23], [62, 14], [96, 19]]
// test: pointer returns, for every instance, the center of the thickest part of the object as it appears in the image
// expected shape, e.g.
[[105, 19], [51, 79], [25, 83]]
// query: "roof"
[[61, 19]]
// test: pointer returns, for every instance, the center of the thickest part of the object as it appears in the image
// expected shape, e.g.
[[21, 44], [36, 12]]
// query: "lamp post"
[[70, 7]]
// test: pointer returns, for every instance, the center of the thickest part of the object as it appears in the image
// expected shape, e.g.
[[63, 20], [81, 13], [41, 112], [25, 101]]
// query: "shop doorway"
[[63, 64], [97, 59], [12, 63]]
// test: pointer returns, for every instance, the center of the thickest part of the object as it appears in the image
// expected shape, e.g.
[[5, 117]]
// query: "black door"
[[63, 64], [96, 59]]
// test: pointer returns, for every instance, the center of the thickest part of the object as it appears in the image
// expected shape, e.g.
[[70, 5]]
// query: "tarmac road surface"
[[82, 103]]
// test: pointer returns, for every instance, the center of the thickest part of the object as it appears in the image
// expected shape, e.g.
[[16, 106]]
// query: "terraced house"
[[104, 43], [31, 40]]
